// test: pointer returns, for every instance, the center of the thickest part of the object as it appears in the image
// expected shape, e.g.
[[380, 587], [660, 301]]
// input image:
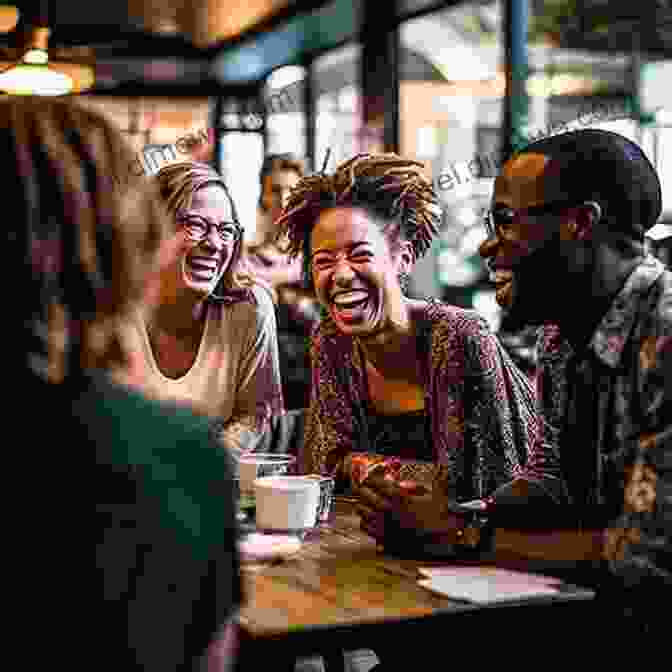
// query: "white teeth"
[[202, 265], [350, 297]]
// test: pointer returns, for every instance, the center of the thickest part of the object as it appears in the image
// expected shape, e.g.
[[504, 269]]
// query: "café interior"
[[447, 83]]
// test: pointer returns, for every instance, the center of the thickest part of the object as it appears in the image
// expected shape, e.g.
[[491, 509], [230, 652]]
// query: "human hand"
[[389, 507]]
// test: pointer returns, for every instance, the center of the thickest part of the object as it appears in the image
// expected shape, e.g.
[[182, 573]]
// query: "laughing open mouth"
[[202, 267], [349, 300]]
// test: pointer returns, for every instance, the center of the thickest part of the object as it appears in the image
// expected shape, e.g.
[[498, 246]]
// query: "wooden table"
[[340, 592]]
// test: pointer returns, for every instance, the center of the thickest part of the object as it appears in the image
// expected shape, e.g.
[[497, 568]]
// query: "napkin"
[[259, 547], [485, 585]]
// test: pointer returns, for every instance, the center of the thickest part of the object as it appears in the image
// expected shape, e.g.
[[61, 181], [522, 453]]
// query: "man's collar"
[[612, 333]]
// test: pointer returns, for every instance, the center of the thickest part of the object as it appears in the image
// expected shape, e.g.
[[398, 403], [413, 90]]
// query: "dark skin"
[[408, 506], [582, 264]]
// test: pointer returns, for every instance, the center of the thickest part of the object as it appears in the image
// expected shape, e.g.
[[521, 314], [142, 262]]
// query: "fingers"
[[413, 488], [374, 499], [383, 487]]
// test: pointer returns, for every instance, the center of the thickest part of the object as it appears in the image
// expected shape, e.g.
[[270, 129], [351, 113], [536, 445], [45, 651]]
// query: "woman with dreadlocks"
[[83, 245], [212, 340], [409, 397]]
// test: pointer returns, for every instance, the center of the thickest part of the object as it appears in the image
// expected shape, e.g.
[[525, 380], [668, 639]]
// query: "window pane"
[[338, 106], [450, 99], [241, 157], [285, 111]]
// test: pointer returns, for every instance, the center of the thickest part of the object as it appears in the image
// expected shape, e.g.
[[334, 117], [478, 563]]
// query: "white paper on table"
[[504, 575], [484, 585]]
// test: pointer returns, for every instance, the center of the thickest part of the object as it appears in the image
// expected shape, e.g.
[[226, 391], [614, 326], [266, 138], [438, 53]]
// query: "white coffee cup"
[[256, 465], [286, 503]]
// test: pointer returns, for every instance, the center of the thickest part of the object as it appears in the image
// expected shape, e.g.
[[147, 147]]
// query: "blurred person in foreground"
[[84, 246], [211, 340], [566, 248]]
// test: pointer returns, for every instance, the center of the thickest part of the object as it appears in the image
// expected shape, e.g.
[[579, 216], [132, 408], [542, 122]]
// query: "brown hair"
[[177, 184], [392, 189], [84, 234], [273, 162]]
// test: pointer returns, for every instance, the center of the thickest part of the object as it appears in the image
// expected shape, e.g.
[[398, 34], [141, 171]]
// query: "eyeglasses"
[[198, 228], [500, 220]]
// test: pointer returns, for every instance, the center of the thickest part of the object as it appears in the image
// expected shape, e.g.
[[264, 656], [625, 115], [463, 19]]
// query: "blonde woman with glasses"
[[212, 339]]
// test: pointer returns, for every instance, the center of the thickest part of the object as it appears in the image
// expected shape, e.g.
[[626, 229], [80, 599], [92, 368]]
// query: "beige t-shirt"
[[236, 374]]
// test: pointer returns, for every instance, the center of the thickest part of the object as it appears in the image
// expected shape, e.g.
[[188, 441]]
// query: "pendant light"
[[33, 76], [33, 73]]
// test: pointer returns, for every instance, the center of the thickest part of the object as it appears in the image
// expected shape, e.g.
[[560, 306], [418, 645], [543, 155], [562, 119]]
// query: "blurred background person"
[[212, 338], [279, 174], [297, 309], [84, 244]]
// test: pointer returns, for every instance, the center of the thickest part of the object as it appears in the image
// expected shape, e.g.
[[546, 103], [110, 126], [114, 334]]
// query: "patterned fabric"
[[481, 406], [627, 466]]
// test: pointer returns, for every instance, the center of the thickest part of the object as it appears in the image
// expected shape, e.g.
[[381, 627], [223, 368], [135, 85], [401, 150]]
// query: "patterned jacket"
[[617, 393], [480, 405]]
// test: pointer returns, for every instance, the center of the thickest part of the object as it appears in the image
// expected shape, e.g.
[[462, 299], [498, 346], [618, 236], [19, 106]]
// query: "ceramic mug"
[[327, 484], [286, 503]]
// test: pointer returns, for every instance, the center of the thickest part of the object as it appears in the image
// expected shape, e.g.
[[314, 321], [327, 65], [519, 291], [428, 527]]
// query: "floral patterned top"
[[481, 406], [618, 392]]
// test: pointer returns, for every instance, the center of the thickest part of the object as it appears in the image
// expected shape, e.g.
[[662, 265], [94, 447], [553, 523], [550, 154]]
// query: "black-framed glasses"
[[198, 228], [499, 220]]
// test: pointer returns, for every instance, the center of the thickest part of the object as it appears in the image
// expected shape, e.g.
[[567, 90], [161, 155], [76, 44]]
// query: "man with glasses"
[[566, 251]]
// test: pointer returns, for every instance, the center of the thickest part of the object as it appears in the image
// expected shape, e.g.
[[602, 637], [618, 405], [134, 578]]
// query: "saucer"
[[258, 547]]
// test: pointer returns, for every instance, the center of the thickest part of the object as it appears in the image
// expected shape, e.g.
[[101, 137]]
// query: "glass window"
[[160, 130], [590, 64], [284, 96], [450, 114], [338, 104], [241, 157]]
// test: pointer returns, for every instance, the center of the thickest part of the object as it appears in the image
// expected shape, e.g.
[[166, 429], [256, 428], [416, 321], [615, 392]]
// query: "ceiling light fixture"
[[32, 75]]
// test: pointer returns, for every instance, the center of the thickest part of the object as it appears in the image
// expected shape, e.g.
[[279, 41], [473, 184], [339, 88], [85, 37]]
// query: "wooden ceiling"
[[203, 22]]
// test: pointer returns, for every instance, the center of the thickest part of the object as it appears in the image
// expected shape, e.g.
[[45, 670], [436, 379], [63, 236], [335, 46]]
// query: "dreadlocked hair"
[[178, 182], [83, 235], [387, 185]]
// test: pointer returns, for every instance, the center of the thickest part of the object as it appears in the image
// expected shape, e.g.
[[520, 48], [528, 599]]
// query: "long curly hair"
[[81, 234], [393, 189], [177, 184]]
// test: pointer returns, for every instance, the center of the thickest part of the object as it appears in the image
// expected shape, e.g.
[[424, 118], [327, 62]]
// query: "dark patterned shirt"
[[607, 444]]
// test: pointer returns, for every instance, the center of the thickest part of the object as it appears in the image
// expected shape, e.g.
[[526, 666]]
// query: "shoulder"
[[133, 409], [129, 428], [456, 324], [254, 307]]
